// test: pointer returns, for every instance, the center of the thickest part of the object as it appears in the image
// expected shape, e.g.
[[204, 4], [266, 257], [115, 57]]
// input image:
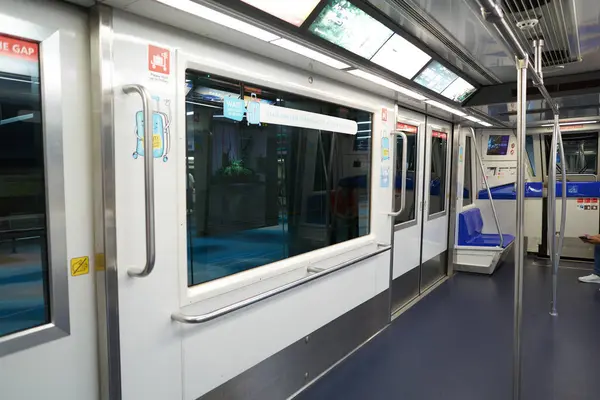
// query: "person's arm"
[[594, 239]]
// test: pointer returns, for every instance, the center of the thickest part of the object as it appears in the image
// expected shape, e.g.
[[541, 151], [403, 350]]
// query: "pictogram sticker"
[[384, 114], [159, 59], [80, 266]]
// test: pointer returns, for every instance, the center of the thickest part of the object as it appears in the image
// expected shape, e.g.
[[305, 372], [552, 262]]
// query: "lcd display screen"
[[436, 77], [347, 26], [497, 145], [401, 56], [294, 12], [459, 90]]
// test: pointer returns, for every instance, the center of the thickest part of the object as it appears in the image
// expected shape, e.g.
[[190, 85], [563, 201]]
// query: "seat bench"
[[470, 227]]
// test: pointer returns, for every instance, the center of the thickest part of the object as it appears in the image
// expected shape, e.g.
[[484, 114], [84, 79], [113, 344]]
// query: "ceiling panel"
[[462, 23], [459, 24]]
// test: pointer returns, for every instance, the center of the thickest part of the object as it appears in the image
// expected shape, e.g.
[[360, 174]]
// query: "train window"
[[581, 153], [411, 153], [24, 294], [467, 192], [437, 183], [262, 192], [530, 153]]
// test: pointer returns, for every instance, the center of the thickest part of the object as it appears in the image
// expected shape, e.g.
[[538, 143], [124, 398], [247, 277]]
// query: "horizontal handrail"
[[209, 316]]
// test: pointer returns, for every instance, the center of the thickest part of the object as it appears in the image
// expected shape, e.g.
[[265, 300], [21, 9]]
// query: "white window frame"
[[232, 288], [52, 130], [447, 129]]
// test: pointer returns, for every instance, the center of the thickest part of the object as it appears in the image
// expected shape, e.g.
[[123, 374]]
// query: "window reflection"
[[437, 184], [257, 194], [23, 254]]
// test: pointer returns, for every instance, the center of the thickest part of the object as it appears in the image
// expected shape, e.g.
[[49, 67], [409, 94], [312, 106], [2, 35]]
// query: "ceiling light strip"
[[390, 85], [219, 18], [310, 53]]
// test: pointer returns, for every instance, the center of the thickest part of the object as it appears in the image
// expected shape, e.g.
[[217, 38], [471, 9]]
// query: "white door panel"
[[407, 246], [435, 228], [65, 367], [435, 237], [163, 359], [407, 235]]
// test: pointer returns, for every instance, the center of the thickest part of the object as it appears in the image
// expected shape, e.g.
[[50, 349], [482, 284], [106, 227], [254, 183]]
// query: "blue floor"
[[456, 344]]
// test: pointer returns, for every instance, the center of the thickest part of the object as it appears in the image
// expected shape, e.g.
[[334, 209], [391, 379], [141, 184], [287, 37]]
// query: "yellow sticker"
[[80, 266], [156, 142], [100, 262]]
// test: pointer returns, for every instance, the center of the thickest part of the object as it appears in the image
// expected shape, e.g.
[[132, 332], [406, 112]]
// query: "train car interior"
[[303, 199]]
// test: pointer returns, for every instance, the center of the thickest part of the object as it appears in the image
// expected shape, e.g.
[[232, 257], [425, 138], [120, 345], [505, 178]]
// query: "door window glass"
[[262, 192], [530, 153], [23, 247], [411, 176], [437, 183], [467, 192], [581, 153]]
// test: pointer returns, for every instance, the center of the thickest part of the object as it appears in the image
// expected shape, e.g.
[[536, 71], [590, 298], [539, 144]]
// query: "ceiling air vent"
[[550, 20]]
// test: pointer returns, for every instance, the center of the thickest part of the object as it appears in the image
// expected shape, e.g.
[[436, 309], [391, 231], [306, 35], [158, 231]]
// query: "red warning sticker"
[[18, 48], [159, 60]]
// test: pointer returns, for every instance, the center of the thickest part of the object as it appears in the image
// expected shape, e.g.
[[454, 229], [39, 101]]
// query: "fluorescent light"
[[387, 84], [293, 12], [445, 107], [201, 105], [189, 113], [485, 123], [401, 56], [470, 118], [363, 122], [363, 131], [574, 123], [19, 118], [196, 9], [305, 51]]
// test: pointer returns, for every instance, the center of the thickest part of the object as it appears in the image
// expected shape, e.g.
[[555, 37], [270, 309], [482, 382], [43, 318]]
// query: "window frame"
[[56, 235], [232, 288], [447, 129], [421, 130], [468, 165]]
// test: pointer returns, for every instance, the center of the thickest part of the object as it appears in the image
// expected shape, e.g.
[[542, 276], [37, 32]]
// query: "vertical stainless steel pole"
[[552, 215], [520, 237]]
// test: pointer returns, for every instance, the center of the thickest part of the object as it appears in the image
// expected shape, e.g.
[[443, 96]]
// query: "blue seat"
[[470, 225]]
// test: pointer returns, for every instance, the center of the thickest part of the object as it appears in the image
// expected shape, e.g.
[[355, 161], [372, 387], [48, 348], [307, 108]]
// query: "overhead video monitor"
[[436, 77], [347, 26], [459, 90], [294, 12], [401, 56], [497, 145]]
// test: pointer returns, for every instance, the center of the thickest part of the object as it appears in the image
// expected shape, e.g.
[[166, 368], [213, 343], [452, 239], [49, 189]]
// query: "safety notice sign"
[[18, 48]]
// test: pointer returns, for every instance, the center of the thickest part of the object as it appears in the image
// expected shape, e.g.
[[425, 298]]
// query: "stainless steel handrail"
[[487, 186], [404, 172], [148, 180], [199, 319], [556, 248], [551, 210]]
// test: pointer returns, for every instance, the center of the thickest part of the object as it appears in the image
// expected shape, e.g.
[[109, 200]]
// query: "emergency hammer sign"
[[17, 48]]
